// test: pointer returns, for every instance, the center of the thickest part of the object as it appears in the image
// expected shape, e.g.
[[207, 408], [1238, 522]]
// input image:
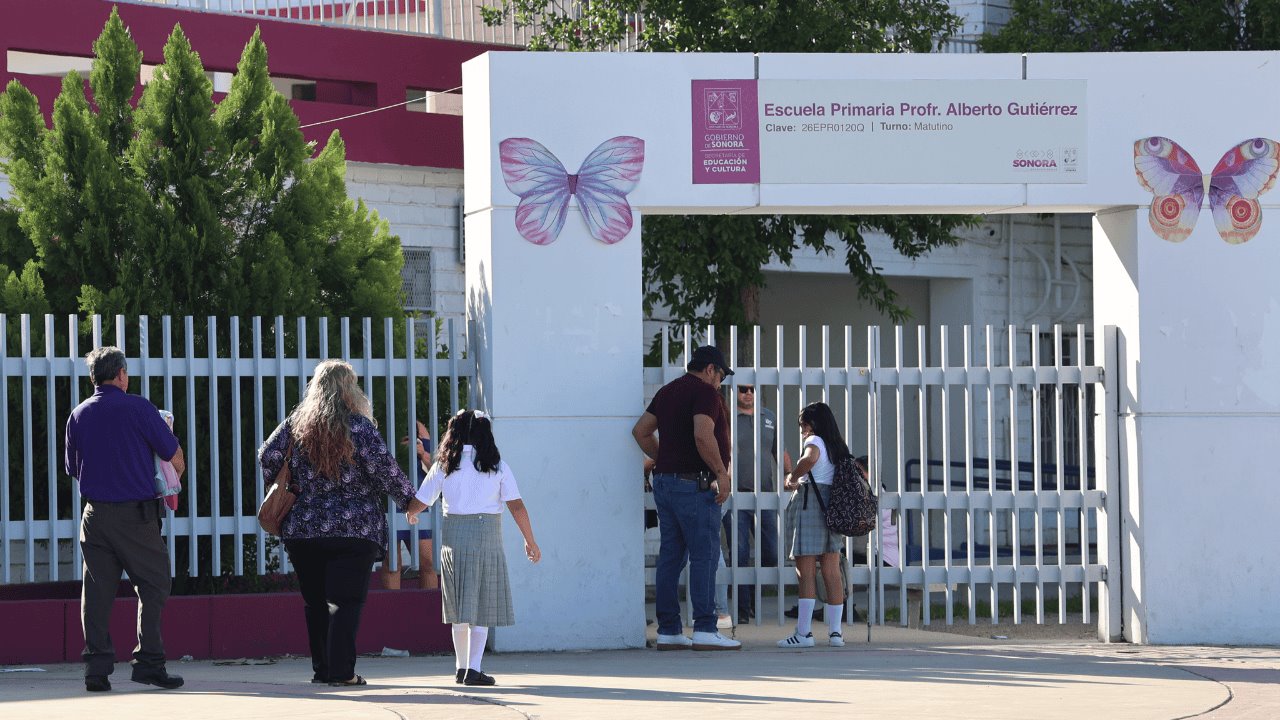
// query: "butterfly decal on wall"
[[1171, 174], [601, 186]]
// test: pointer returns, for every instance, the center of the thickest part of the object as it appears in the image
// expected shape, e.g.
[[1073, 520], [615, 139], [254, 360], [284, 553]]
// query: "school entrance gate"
[[565, 153], [983, 440]]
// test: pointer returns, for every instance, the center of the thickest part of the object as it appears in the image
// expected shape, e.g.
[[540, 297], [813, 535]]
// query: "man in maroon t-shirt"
[[690, 481]]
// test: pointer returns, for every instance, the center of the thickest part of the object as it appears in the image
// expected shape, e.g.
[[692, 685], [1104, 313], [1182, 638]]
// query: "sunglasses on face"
[[746, 389]]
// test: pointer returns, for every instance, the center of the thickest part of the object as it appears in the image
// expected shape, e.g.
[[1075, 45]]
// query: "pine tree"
[[180, 158], [180, 207]]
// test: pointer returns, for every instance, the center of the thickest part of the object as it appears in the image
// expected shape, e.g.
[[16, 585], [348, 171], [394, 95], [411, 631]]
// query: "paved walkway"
[[902, 673]]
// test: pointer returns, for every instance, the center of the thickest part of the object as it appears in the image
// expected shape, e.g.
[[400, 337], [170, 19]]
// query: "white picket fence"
[[234, 390], [985, 448]]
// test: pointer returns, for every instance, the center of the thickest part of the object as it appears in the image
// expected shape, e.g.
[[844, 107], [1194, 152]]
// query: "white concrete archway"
[[556, 326]]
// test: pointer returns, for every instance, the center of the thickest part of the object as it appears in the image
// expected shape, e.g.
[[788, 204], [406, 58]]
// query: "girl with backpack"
[[809, 540], [476, 483]]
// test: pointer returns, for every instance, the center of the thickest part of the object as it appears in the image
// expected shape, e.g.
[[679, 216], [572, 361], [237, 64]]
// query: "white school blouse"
[[824, 471], [468, 491]]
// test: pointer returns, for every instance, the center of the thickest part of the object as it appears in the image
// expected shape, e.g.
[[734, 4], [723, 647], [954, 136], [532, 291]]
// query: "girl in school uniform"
[[475, 482], [809, 539]]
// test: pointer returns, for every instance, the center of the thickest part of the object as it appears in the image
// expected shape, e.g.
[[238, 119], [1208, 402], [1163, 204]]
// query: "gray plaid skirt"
[[807, 532], [473, 571]]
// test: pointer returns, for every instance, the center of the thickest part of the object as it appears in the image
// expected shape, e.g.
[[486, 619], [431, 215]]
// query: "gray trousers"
[[116, 537]]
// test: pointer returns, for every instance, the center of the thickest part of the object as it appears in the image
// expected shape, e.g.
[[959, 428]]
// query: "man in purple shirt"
[[113, 439]]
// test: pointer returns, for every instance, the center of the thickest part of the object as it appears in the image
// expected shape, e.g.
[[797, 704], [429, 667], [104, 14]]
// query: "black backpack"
[[854, 509]]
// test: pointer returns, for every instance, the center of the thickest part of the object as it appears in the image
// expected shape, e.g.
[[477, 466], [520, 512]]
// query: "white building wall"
[[421, 205], [981, 16]]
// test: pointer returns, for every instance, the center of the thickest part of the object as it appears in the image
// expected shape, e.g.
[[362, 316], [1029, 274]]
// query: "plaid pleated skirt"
[[807, 532], [473, 571]]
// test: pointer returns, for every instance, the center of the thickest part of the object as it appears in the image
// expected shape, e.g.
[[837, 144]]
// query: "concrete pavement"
[[902, 673]]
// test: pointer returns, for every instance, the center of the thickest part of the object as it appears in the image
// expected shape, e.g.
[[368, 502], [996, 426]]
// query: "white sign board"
[[922, 131]]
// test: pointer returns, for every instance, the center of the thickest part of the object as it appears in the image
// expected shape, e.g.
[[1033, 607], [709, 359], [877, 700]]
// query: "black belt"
[[147, 510], [695, 476]]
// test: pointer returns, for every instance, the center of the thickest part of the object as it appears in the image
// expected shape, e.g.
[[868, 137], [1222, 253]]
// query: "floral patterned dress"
[[353, 506]]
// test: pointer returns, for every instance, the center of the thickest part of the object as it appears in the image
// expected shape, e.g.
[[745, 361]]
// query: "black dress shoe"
[[462, 674], [96, 683], [160, 678], [475, 677], [793, 613]]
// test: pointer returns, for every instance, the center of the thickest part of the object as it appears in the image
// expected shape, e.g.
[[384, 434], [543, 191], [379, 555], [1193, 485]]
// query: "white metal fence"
[[450, 19], [229, 382], [985, 451]]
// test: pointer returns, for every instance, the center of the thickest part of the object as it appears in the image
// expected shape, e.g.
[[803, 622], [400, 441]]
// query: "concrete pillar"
[[560, 367], [1198, 351]]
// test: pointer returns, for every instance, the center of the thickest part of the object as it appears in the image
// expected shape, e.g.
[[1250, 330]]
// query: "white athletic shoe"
[[673, 642], [836, 639], [796, 641], [714, 641], [724, 622]]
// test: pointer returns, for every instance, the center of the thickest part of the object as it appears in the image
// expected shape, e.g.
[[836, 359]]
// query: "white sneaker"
[[674, 642], [724, 622], [796, 641], [836, 640], [714, 641]]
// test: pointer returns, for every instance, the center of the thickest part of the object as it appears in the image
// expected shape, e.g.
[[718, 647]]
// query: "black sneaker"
[[793, 613], [460, 676], [475, 677], [158, 677], [96, 683]]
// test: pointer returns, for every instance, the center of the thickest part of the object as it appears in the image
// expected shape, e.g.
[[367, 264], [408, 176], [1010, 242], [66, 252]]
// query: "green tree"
[[709, 268], [183, 207], [1138, 25], [180, 207]]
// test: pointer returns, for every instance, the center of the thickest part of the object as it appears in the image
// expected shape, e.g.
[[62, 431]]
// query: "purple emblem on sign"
[[726, 132]]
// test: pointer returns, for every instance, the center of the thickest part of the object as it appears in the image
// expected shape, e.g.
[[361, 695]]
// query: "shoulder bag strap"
[[284, 476], [821, 505]]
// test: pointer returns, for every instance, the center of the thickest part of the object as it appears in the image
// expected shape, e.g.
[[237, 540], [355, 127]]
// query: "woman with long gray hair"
[[337, 528]]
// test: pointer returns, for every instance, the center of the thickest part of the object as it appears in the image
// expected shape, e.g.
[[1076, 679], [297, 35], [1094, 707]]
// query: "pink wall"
[[221, 626], [387, 63]]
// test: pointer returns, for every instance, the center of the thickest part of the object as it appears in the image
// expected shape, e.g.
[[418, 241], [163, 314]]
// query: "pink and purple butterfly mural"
[[601, 185], [1172, 175]]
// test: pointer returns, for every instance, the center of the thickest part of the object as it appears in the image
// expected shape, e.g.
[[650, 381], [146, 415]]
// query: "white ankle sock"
[[461, 644], [832, 614], [804, 621], [478, 636]]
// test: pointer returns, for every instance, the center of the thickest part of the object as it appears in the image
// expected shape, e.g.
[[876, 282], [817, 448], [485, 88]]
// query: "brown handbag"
[[279, 499]]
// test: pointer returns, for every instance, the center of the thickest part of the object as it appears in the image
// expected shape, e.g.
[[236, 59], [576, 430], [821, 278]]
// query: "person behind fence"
[[745, 472], [337, 528], [888, 523], [113, 440], [475, 482], [427, 577], [808, 537], [686, 430]]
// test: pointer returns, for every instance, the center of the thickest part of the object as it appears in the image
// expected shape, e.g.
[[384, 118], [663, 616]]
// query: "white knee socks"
[[478, 636], [833, 613], [461, 645], [468, 645], [804, 622]]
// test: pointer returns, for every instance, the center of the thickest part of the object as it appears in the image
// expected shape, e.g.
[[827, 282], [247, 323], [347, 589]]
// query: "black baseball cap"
[[709, 354]]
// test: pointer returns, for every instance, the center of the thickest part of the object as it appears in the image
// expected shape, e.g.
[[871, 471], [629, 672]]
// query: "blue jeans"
[[742, 555], [689, 522]]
